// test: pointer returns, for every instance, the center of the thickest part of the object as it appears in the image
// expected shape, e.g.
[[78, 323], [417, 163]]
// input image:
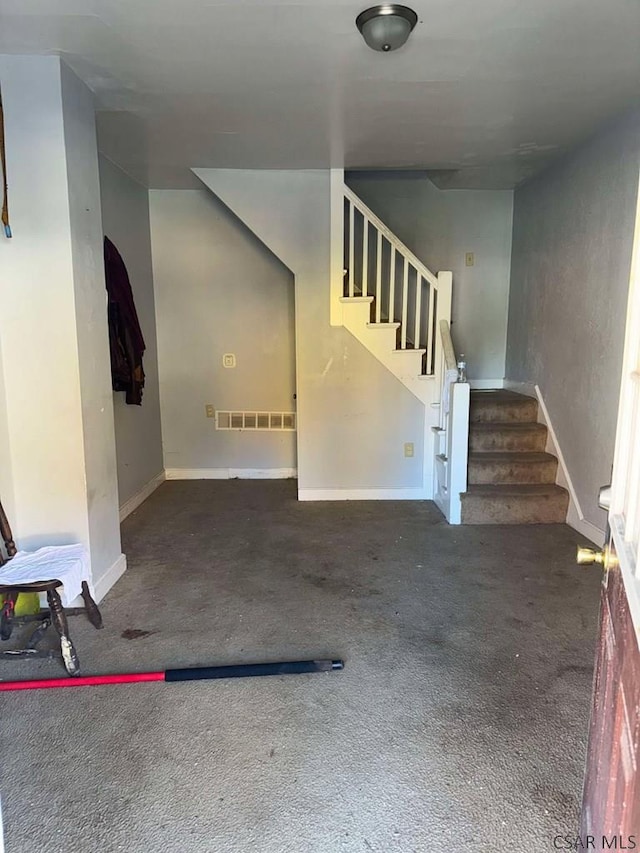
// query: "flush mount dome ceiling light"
[[386, 27]]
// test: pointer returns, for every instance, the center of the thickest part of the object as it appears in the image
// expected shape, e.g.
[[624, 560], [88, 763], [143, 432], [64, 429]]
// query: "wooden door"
[[611, 802]]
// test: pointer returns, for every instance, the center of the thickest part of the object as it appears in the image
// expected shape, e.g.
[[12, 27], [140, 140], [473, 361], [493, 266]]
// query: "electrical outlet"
[[211, 412], [228, 360], [469, 259], [408, 448]]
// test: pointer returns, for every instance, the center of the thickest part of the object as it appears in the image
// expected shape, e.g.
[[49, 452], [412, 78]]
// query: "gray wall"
[[6, 478], [440, 227], [572, 240], [57, 426], [125, 220], [219, 290], [81, 152]]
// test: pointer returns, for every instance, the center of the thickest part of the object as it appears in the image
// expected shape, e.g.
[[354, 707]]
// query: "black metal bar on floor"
[[200, 673]]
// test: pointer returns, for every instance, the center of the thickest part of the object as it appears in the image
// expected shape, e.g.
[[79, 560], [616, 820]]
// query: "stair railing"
[[377, 264], [451, 436]]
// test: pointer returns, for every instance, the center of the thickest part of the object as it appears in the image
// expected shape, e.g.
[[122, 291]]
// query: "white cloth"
[[66, 563]]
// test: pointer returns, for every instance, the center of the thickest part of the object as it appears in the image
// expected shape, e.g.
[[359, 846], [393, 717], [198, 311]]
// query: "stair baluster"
[[351, 272], [379, 279], [405, 303], [392, 300]]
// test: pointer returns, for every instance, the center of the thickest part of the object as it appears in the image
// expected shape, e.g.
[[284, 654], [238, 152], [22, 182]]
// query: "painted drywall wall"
[[81, 149], [440, 227], [39, 253], [125, 220], [218, 290], [53, 333], [353, 415], [572, 240], [6, 474]]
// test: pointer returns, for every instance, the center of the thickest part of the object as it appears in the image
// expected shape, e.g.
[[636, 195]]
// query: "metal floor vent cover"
[[277, 421]]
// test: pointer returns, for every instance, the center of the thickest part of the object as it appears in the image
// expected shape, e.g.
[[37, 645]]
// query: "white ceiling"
[[490, 89]]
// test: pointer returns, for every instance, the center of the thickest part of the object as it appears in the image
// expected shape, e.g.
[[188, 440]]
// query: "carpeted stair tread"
[[505, 437], [533, 503], [532, 456], [502, 394], [515, 427], [505, 467], [495, 392], [493, 490], [502, 407]]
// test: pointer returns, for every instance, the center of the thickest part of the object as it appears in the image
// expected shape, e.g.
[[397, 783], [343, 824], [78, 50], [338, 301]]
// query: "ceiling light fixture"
[[386, 27]]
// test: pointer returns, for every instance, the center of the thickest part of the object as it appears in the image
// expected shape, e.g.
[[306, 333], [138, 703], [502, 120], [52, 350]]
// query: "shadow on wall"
[[572, 241], [125, 219], [226, 337]]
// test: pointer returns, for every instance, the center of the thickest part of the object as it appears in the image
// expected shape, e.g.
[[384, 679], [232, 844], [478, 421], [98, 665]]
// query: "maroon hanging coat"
[[126, 342]]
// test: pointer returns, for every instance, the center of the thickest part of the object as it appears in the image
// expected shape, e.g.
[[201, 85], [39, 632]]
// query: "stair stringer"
[[380, 340]]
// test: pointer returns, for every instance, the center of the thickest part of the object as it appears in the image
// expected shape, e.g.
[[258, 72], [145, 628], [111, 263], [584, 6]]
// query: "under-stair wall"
[[234, 297], [393, 304], [354, 415]]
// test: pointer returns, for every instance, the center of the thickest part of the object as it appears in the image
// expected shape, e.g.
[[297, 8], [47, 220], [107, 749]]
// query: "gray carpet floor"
[[458, 723]]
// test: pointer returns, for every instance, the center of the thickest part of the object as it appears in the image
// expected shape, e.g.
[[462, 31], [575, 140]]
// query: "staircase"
[[389, 300], [510, 476], [488, 463], [483, 455]]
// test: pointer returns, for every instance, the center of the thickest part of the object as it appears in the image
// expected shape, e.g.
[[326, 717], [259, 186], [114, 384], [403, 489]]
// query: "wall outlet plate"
[[469, 259], [210, 411], [408, 449], [228, 360]]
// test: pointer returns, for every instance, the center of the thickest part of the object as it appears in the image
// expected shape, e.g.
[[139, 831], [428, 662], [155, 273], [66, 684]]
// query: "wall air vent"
[[272, 421]]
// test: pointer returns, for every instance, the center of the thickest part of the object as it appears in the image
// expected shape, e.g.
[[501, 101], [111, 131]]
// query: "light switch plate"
[[408, 449], [469, 259], [228, 360]]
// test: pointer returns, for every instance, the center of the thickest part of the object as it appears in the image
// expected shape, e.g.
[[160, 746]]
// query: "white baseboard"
[[407, 494], [231, 473], [134, 502], [585, 528], [485, 384], [575, 516], [102, 586], [109, 578]]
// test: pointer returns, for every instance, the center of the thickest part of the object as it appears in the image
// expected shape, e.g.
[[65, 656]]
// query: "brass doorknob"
[[589, 556]]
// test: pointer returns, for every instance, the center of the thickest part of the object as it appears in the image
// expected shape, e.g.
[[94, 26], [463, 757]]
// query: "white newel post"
[[443, 312], [336, 273], [458, 448]]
